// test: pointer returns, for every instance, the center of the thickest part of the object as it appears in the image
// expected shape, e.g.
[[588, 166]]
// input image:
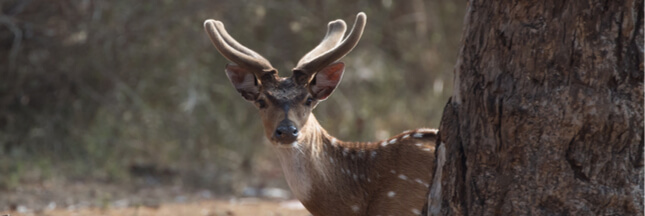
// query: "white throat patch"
[[295, 167]]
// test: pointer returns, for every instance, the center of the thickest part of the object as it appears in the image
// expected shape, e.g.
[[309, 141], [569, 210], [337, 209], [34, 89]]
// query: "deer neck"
[[305, 165]]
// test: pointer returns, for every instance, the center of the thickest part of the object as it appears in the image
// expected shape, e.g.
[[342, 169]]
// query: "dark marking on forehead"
[[285, 92], [285, 107]]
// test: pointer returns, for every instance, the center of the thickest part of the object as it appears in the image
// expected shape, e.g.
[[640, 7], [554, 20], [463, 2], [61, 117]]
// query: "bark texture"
[[547, 112]]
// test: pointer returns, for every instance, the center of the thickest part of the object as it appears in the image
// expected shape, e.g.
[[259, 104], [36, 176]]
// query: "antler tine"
[[339, 51], [335, 31], [233, 43], [233, 50]]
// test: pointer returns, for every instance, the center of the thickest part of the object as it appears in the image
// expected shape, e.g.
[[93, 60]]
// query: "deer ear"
[[326, 80], [244, 81]]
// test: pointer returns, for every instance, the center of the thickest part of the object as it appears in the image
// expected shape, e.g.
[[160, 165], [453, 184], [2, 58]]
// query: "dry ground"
[[62, 198], [215, 207]]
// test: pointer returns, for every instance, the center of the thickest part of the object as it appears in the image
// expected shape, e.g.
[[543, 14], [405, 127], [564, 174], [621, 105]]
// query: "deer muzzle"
[[286, 132]]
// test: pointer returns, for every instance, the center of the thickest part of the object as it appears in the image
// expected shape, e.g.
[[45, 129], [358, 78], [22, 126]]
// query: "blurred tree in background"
[[107, 90]]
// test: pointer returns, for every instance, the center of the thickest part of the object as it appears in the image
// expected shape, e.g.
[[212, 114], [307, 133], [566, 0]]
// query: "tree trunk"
[[546, 116]]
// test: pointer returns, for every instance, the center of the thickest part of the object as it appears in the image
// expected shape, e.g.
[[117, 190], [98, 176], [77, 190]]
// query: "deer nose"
[[286, 133]]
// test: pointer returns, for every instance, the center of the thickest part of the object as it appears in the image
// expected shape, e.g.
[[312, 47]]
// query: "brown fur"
[[366, 178]]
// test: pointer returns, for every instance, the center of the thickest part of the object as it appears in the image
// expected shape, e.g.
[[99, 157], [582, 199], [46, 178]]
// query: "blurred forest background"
[[133, 92]]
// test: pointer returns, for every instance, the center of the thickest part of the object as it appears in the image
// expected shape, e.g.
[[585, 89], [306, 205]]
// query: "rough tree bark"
[[547, 112]]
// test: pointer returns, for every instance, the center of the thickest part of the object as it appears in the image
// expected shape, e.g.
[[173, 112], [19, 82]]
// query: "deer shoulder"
[[391, 176]]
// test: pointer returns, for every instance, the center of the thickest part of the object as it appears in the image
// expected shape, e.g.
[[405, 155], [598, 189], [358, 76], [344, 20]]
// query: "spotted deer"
[[329, 176]]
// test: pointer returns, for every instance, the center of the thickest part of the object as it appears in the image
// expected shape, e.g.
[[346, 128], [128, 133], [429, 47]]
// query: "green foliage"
[[95, 87]]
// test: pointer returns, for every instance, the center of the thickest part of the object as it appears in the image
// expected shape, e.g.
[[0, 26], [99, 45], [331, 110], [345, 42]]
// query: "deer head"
[[285, 103]]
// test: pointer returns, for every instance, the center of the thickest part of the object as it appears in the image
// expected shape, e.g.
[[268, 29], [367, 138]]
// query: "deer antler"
[[335, 31], [330, 50], [234, 51]]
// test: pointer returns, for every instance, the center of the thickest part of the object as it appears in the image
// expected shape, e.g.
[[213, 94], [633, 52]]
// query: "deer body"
[[329, 176], [390, 177]]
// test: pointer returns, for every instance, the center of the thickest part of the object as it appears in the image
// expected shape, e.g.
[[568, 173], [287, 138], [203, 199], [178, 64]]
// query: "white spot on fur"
[[355, 177], [430, 148], [393, 172], [361, 153], [355, 208], [333, 142], [403, 177], [369, 180], [419, 144], [418, 181], [427, 130], [417, 135], [391, 194], [416, 211], [373, 154], [331, 160], [345, 151], [405, 136], [383, 144], [392, 141]]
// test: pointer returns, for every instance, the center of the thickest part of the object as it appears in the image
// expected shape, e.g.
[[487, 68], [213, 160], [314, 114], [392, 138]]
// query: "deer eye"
[[309, 100], [261, 103]]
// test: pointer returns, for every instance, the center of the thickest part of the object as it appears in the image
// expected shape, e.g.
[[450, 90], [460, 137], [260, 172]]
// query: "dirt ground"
[[213, 207], [91, 198]]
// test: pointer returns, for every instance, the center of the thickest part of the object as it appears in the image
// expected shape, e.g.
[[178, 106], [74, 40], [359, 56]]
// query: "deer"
[[327, 175]]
